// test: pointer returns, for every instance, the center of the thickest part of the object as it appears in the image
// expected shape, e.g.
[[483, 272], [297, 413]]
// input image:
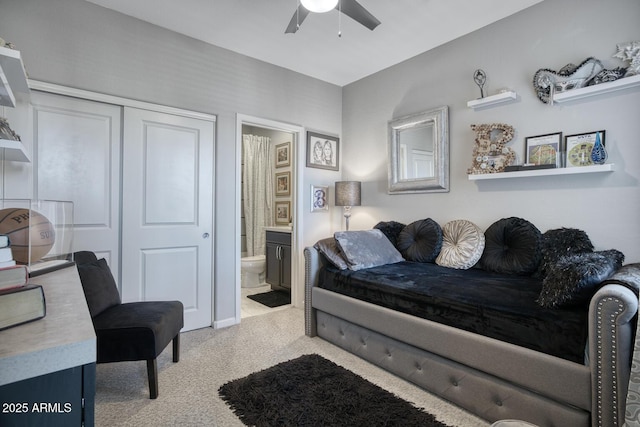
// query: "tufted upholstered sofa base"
[[490, 378], [484, 395]]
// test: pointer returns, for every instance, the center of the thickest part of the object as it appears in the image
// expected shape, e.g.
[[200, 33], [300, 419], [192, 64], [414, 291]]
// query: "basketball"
[[20, 225]]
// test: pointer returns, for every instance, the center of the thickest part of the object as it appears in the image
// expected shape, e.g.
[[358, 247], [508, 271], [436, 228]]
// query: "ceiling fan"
[[351, 8]]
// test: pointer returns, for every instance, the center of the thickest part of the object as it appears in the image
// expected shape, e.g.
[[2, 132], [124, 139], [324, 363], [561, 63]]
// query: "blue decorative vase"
[[598, 152]]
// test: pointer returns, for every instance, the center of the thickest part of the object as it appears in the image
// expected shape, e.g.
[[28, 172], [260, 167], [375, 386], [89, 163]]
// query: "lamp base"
[[347, 215]]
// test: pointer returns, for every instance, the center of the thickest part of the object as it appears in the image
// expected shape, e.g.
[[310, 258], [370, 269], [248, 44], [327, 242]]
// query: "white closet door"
[[77, 147], [167, 219]]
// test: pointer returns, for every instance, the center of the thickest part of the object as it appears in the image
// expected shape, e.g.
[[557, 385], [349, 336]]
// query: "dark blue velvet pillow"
[[420, 241], [512, 246], [100, 289], [573, 279]]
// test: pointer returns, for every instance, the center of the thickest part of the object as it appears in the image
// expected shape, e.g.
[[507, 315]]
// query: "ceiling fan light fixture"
[[319, 6]]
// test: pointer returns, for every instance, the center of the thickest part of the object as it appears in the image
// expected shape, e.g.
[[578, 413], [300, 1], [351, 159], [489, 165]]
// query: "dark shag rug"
[[313, 391], [272, 298]]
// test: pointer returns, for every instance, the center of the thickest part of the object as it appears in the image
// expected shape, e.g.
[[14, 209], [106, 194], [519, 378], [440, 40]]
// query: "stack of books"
[[20, 301]]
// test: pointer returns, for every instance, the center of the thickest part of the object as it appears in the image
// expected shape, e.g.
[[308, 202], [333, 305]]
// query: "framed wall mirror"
[[419, 152]]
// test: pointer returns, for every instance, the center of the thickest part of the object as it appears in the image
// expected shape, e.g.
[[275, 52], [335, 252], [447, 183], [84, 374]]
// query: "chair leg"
[[152, 373], [176, 348]]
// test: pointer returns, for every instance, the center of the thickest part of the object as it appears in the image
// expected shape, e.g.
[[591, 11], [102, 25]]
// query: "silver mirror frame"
[[436, 184]]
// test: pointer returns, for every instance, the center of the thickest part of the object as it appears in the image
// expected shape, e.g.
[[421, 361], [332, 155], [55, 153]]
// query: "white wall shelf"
[[13, 77], [13, 80], [602, 88], [609, 167], [493, 100], [13, 151]]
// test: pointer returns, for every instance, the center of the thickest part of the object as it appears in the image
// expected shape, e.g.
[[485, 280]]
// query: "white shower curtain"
[[258, 191]]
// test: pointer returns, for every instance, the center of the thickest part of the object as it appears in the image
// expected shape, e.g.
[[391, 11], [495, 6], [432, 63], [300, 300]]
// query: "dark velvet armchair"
[[129, 331]]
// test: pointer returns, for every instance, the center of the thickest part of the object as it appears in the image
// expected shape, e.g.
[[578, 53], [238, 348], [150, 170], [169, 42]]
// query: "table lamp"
[[347, 195]]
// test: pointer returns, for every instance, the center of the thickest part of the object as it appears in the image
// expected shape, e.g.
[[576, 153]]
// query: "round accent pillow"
[[512, 246], [462, 245], [420, 241]]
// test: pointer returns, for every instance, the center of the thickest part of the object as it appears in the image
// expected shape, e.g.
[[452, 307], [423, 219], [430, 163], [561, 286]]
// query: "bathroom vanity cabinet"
[[278, 273]]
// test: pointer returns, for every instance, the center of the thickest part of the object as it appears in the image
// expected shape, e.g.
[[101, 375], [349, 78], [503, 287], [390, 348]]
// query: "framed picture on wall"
[[319, 198], [543, 149], [322, 151], [283, 212], [579, 148], [283, 184], [283, 155]]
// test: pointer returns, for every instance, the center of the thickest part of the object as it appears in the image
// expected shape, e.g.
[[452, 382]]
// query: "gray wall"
[[81, 45], [547, 35]]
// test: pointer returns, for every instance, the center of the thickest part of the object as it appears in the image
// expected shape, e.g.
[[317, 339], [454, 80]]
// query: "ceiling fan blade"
[[355, 11], [297, 19]]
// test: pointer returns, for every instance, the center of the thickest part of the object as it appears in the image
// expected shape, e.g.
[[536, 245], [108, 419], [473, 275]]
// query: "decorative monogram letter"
[[490, 154]]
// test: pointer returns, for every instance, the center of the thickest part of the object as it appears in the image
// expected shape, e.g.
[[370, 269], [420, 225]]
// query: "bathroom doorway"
[[269, 203]]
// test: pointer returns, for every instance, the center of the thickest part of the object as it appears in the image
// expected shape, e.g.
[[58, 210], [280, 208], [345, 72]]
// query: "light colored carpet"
[[188, 390]]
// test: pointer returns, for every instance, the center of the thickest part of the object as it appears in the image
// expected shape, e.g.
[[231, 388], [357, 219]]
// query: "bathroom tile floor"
[[250, 308]]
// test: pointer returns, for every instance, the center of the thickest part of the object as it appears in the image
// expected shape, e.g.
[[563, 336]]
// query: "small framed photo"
[[319, 198], [579, 148], [283, 212], [322, 151], [283, 155], [543, 149], [283, 183]]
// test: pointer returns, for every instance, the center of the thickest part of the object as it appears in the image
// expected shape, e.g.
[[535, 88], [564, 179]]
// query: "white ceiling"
[[256, 28]]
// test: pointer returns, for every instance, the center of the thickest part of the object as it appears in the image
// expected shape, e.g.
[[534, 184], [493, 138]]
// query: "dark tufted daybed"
[[506, 323]]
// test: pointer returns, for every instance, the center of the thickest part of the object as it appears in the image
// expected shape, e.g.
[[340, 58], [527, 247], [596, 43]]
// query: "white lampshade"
[[319, 6]]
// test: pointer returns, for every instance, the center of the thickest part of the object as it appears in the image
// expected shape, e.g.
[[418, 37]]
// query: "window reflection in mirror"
[[416, 153]]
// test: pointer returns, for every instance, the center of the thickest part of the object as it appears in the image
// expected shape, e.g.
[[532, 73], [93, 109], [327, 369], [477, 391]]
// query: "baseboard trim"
[[225, 323]]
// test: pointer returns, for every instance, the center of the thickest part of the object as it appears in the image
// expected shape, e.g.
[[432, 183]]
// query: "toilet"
[[252, 271]]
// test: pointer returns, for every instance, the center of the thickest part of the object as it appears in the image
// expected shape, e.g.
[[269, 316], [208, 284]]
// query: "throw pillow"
[[391, 229], [420, 241], [100, 289], [560, 242], [366, 249], [512, 246], [573, 279], [462, 244], [330, 249]]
